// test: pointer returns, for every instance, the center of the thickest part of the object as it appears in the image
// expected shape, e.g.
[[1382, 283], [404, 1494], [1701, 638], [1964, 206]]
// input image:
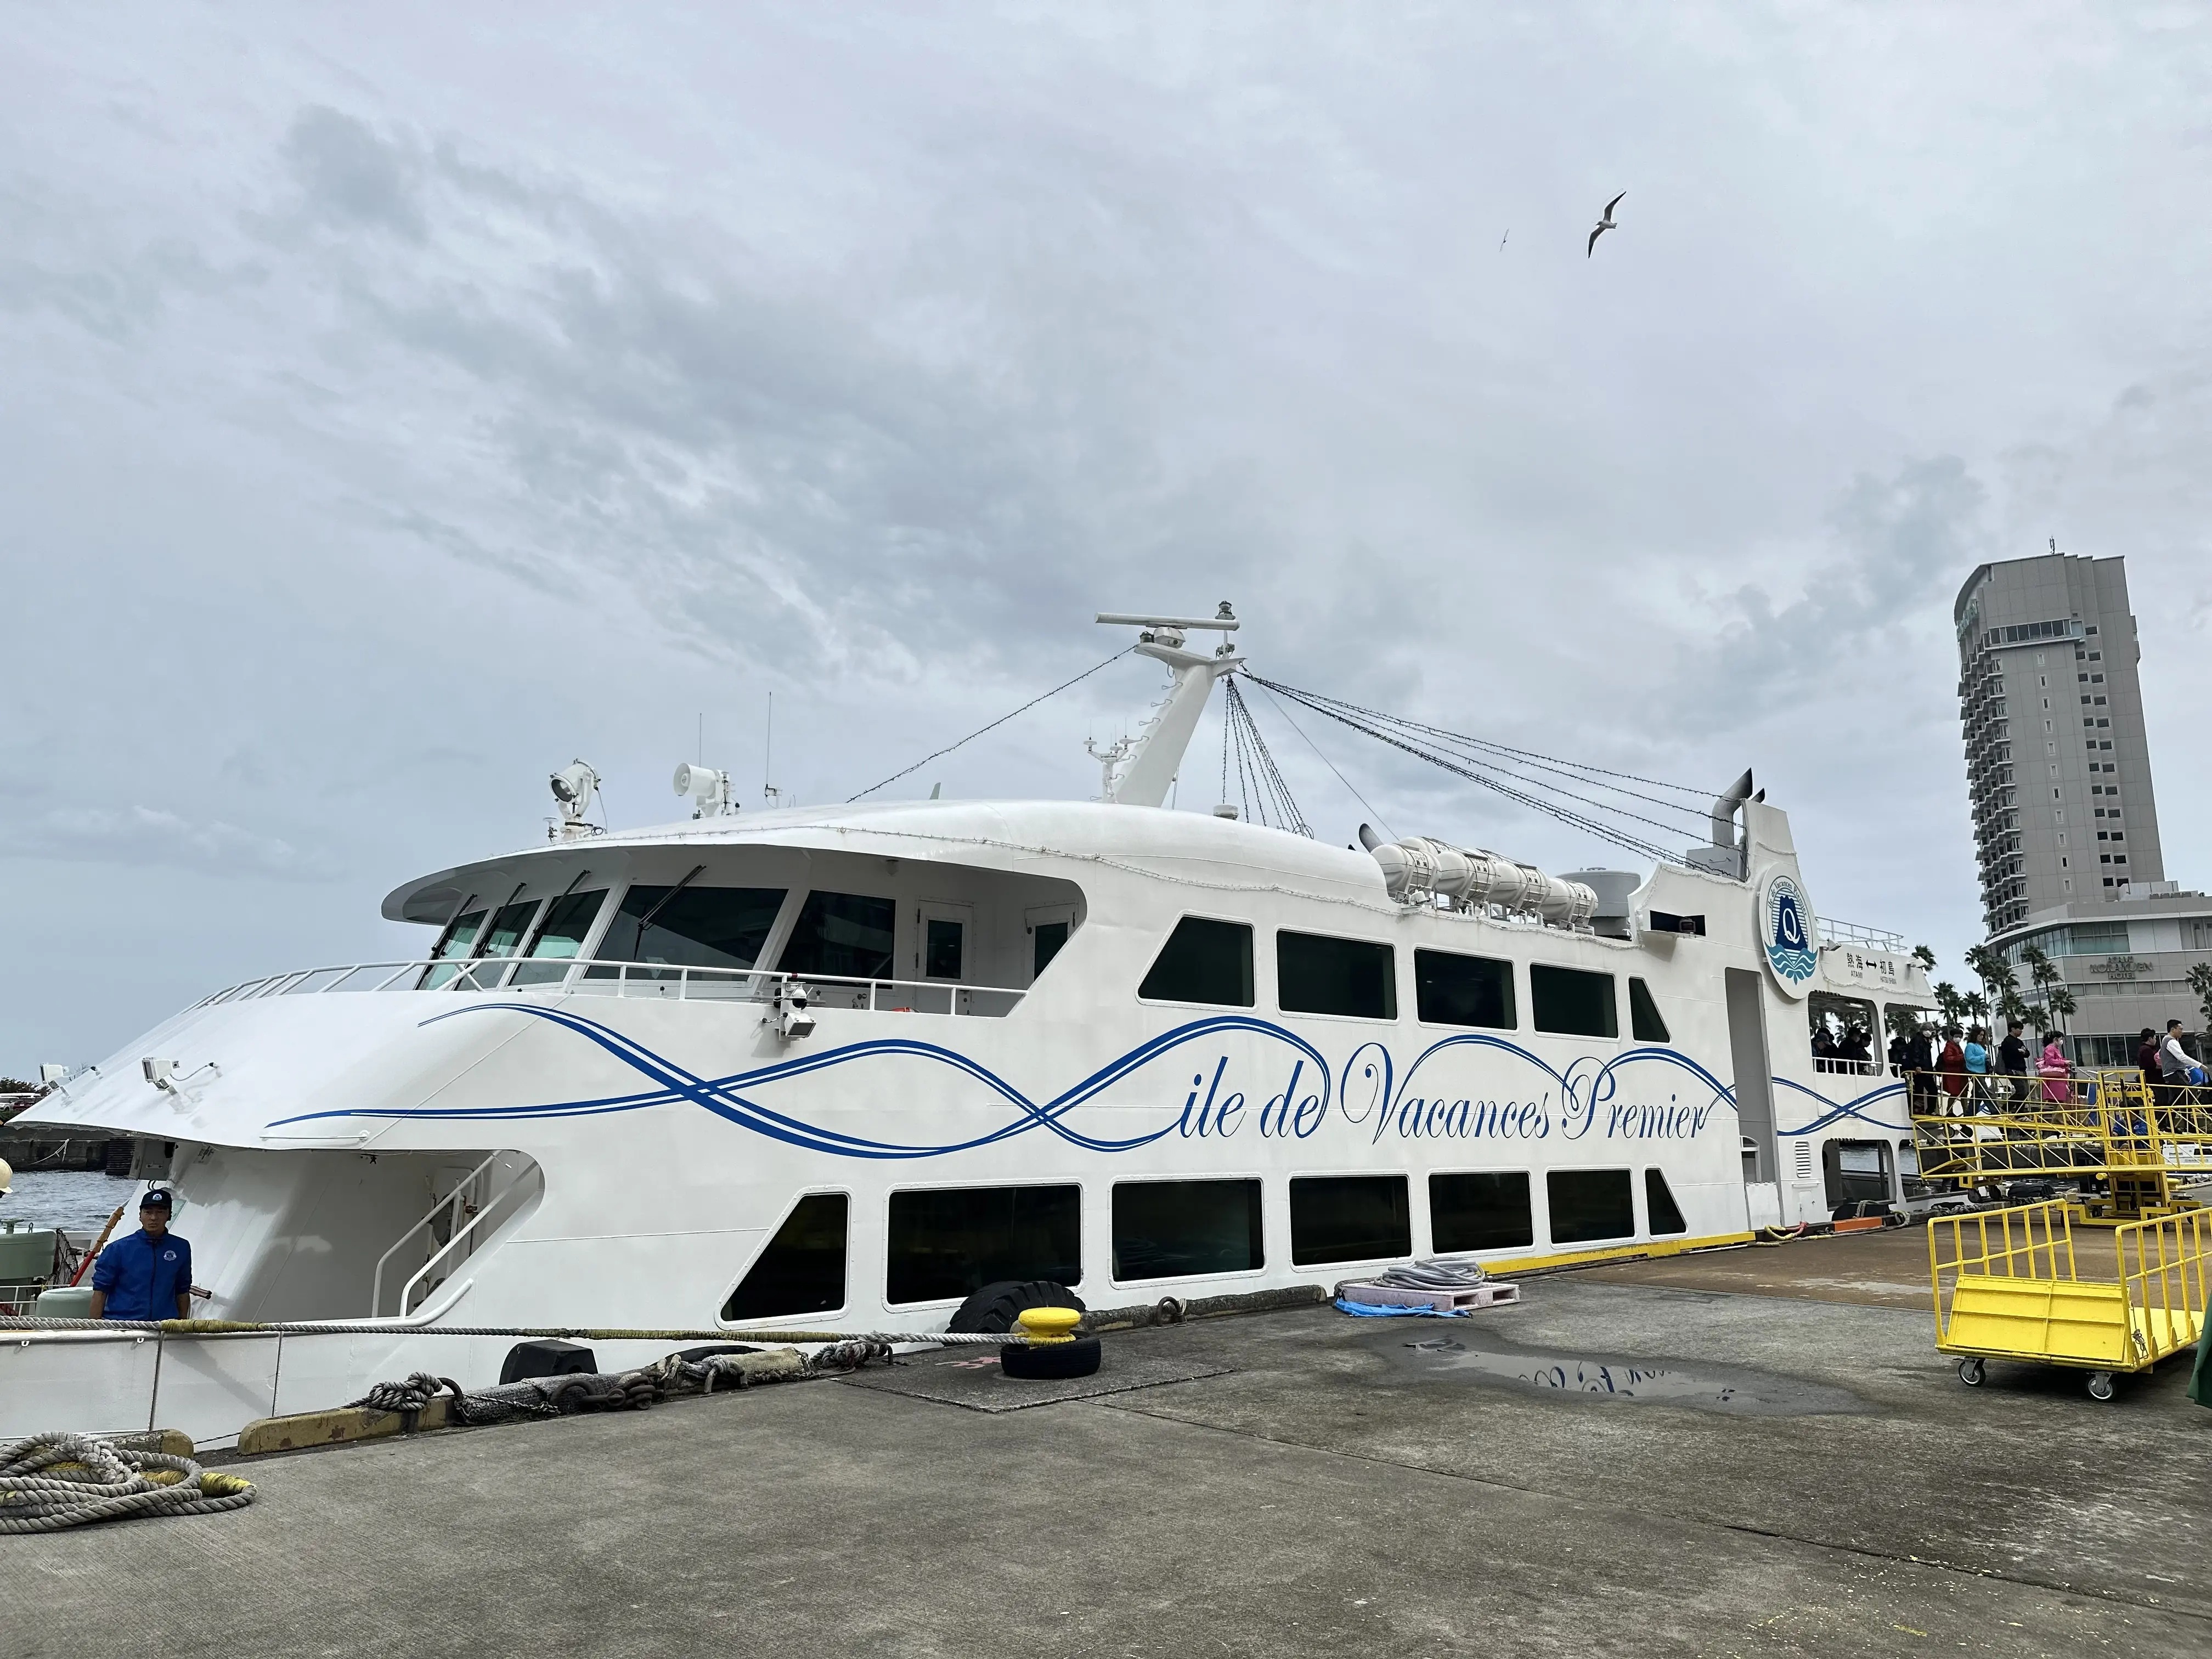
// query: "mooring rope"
[[50, 1481], [192, 1328]]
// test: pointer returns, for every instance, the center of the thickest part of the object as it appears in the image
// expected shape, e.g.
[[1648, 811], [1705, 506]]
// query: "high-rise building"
[[2058, 780], [2058, 764]]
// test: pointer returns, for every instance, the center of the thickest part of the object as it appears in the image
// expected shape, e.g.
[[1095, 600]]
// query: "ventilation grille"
[[1804, 1160]]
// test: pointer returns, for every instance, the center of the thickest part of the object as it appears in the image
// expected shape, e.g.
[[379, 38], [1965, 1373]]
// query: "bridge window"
[[842, 935], [1659, 1202], [802, 1271], [1203, 961], [1572, 1002], [1589, 1204], [1484, 1211], [508, 925], [1645, 1023], [692, 926], [1177, 1229], [1316, 974], [1449, 990], [946, 1244], [1349, 1219], [560, 937], [460, 935]]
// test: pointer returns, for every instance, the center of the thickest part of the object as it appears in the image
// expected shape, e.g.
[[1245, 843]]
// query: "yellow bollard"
[[1046, 1326]]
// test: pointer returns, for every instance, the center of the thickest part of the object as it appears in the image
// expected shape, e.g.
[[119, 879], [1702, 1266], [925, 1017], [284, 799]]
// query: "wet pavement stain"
[[1732, 1390]]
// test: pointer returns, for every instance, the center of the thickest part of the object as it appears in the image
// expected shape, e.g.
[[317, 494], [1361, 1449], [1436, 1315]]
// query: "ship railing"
[[450, 1233], [661, 981], [1850, 933]]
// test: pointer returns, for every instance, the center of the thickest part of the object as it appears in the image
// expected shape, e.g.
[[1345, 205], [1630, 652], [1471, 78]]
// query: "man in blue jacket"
[[147, 1275]]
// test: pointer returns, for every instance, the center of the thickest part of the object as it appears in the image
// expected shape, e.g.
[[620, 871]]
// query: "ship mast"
[[1159, 749]]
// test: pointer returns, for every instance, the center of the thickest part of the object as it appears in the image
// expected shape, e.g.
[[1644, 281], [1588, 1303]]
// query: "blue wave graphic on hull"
[[1836, 1112], [722, 1096]]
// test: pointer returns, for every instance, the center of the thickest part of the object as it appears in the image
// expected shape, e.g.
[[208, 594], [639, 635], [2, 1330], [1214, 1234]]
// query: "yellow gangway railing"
[[2141, 1141], [2012, 1284]]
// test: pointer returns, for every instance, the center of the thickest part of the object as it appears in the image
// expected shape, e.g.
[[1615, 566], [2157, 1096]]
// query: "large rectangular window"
[[842, 935], [1487, 1210], [1177, 1229], [1349, 1219], [1572, 1002], [560, 938], [692, 926], [1203, 961], [1316, 974], [947, 1243], [1591, 1204], [802, 1271], [1450, 989]]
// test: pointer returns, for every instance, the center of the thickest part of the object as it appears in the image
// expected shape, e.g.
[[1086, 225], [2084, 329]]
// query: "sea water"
[[75, 1200]]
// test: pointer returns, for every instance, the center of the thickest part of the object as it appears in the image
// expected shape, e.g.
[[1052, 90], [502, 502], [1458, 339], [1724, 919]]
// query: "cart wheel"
[[1972, 1372], [2100, 1385]]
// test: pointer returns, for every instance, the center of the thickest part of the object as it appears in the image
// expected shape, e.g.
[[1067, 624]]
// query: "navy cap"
[[157, 1198]]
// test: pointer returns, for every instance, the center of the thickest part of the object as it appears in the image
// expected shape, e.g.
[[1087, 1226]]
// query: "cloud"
[[147, 834], [348, 176]]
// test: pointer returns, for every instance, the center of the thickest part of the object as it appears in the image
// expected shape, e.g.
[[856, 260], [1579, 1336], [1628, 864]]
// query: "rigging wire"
[[1374, 810], [1268, 774], [1465, 768], [1335, 706], [994, 725]]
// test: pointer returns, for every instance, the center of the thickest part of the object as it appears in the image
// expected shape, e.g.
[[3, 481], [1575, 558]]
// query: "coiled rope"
[[50, 1481]]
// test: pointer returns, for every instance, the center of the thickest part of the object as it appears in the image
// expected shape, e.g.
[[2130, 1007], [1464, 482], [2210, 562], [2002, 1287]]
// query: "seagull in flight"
[[1604, 224]]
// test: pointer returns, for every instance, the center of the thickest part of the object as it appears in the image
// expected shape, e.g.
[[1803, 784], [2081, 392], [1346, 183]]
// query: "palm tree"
[[1948, 999], [2200, 981], [1925, 958]]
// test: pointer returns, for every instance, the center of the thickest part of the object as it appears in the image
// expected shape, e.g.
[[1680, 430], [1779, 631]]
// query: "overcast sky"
[[394, 406]]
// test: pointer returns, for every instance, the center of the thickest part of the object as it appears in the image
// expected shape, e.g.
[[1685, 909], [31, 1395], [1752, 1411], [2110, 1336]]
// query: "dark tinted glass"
[[1349, 1219], [1050, 936], [1588, 1204], [945, 1244], [1203, 961], [940, 949], [843, 934], [1317, 975], [1483, 1211], [1174, 1229], [1457, 990], [1570, 1001], [700, 927], [1666, 1214], [1644, 1021], [803, 1269]]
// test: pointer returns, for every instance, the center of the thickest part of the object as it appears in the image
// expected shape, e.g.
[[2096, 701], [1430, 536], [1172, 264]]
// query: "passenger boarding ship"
[[842, 1066]]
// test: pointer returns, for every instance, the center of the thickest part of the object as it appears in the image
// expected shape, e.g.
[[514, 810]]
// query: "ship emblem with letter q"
[[1787, 931]]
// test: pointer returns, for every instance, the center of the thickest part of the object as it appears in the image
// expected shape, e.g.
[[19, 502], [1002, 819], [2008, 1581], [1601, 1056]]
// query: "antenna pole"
[[768, 756]]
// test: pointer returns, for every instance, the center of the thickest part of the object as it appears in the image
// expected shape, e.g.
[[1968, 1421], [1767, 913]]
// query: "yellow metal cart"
[[2017, 1285]]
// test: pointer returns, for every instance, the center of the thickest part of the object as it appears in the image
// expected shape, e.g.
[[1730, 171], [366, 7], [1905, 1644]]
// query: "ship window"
[[460, 934], [1449, 990], [697, 928], [1484, 1211], [560, 937], [940, 949], [1179, 1229], [1589, 1204], [1349, 1219], [802, 1271], [843, 935], [1049, 937], [508, 925], [1316, 974], [1645, 1023], [1203, 961], [1572, 1002], [1659, 1200], [949, 1242]]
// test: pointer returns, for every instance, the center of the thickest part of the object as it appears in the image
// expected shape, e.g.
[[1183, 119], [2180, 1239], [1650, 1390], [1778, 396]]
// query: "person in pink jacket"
[[2054, 1069]]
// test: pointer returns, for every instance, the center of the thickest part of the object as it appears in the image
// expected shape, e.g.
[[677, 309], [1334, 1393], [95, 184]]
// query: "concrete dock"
[[1755, 1452]]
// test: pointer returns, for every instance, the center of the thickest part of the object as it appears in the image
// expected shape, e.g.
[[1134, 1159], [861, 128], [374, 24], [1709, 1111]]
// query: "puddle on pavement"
[[1725, 1388]]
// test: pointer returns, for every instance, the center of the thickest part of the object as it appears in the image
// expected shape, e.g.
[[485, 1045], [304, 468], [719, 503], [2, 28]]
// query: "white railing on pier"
[[581, 977], [1850, 933]]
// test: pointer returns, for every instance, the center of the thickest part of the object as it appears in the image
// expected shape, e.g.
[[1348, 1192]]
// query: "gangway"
[[2017, 1283], [2145, 1144]]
